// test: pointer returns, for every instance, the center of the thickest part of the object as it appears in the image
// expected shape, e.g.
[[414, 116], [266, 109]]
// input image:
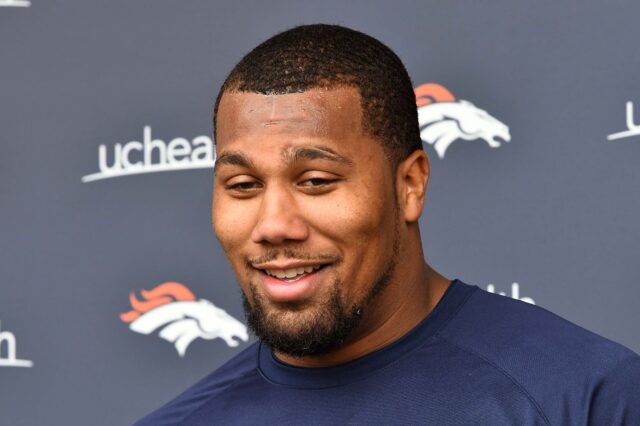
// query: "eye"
[[316, 182], [242, 188], [317, 185]]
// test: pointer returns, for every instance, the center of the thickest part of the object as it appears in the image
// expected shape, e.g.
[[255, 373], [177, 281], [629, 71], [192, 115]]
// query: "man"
[[319, 183]]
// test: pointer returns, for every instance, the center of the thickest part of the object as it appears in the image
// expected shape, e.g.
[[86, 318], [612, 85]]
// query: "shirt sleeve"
[[616, 399]]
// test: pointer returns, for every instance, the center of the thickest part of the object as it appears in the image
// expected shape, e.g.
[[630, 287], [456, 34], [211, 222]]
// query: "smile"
[[291, 282], [291, 274]]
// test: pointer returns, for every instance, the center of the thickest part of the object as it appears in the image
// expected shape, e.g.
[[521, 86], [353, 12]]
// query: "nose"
[[278, 219]]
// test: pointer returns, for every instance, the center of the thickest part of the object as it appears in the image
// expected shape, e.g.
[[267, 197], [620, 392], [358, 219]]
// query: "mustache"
[[291, 253]]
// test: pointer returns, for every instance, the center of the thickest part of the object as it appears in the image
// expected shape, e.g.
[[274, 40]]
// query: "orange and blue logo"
[[181, 318], [444, 119]]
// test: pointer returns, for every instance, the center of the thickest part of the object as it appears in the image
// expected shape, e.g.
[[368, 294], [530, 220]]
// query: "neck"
[[413, 293]]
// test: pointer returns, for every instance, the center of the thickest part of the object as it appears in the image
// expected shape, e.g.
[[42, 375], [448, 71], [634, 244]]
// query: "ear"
[[412, 178]]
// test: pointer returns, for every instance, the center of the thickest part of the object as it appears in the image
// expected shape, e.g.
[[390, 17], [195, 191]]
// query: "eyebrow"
[[290, 155], [295, 154], [234, 159]]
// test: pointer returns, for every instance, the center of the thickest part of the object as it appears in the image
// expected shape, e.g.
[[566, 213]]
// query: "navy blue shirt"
[[478, 358]]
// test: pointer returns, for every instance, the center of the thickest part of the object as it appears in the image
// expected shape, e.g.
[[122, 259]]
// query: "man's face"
[[305, 210]]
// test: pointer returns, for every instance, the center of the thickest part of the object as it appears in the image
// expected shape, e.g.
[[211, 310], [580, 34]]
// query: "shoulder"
[[243, 364], [501, 328], [559, 364]]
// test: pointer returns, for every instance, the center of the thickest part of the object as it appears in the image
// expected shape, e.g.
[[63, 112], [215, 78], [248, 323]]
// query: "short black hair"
[[331, 56]]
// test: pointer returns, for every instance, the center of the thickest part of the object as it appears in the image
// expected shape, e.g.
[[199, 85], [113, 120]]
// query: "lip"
[[282, 291], [290, 265]]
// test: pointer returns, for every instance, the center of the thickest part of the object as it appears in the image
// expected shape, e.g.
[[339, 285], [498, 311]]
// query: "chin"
[[301, 330]]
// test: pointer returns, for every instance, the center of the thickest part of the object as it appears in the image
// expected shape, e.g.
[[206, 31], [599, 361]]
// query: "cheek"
[[362, 221], [355, 219], [232, 223]]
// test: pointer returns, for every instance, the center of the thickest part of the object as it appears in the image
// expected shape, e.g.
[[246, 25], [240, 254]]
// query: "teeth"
[[278, 273], [292, 272]]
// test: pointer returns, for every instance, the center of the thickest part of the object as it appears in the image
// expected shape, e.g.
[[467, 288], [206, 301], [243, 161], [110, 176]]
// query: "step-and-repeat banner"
[[114, 294]]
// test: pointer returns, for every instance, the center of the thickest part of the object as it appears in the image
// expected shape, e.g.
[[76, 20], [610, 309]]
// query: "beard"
[[301, 331]]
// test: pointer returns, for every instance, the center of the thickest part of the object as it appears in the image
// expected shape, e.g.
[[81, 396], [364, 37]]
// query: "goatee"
[[314, 334], [300, 331]]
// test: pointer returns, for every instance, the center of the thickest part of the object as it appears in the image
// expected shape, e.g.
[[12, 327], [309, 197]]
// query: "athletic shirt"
[[478, 358]]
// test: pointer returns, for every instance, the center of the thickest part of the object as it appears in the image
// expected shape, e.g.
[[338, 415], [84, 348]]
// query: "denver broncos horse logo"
[[443, 120], [174, 308]]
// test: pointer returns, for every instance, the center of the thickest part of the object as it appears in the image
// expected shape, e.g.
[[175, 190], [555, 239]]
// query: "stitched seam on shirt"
[[196, 409], [517, 384], [463, 303]]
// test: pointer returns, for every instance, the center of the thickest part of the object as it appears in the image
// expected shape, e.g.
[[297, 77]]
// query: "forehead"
[[330, 114]]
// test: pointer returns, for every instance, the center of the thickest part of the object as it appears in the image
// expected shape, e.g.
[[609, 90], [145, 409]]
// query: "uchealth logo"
[[444, 119], [153, 155], [15, 3], [632, 129], [515, 293], [8, 340], [181, 318]]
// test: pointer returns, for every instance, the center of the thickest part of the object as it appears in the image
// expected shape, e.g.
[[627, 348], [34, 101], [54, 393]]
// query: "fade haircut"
[[331, 56]]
